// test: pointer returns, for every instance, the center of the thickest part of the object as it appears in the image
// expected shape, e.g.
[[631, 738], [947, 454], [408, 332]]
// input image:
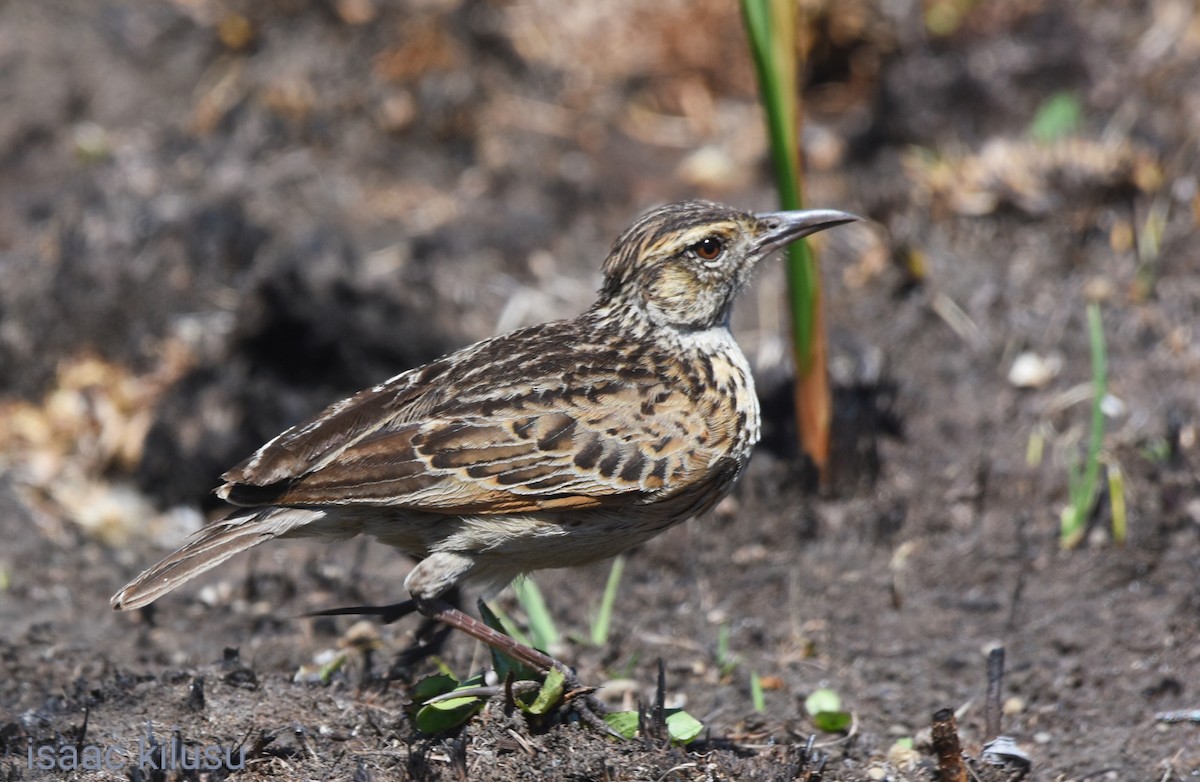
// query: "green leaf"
[[439, 717], [444, 715], [683, 727], [550, 694], [1059, 116], [822, 700], [432, 686], [624, 723], [824, 706], [832, 721]]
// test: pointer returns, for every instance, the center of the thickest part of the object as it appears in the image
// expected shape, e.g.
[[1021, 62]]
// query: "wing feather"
[[449, 438]]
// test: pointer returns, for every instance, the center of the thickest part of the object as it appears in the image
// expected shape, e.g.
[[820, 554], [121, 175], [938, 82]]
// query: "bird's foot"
[[581, 700]]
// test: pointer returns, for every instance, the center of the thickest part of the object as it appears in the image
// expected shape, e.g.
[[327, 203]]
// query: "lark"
[[551, 446]]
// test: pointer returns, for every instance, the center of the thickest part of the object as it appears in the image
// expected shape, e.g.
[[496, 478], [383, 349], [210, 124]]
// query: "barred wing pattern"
[[489, 432]]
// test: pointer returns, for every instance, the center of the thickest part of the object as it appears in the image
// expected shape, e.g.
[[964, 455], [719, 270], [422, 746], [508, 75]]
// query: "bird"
[[555, 445]]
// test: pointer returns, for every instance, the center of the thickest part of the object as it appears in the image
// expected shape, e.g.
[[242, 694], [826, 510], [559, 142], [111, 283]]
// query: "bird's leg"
[[448, 614], [585, 704]]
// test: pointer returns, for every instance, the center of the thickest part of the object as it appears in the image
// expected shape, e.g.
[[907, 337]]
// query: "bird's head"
[[684, 263]]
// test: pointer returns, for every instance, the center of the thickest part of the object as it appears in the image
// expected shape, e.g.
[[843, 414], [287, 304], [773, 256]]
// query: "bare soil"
[[217, 217]]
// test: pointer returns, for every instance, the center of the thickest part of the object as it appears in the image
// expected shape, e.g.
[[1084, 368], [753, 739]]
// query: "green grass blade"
[[756, 693], [770, 27], [726, 660], [1083, 489], [1116, 496], [1099, 392], [541, 624], [603, 621], [495, 618]]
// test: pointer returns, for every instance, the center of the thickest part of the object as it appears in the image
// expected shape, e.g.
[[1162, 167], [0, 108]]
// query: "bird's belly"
[[535, 542]]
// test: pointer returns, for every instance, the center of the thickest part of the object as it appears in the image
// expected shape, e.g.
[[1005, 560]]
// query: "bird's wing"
[[560, 431]]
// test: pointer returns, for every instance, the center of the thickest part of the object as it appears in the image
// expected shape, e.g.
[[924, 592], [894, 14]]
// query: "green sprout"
[[756, 693], [824, 706], [727, 661], [1082, 484], [1058, 117], [682, 727]]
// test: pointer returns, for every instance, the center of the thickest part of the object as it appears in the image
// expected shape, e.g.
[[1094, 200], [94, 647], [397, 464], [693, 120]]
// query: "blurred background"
[[216, 217]]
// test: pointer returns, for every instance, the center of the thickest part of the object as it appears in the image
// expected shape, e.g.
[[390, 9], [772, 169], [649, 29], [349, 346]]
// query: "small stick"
[[995, 682], [658, 716], [947, 747]]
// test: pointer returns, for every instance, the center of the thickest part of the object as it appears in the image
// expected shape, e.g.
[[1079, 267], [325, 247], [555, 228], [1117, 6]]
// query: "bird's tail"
[[209, 547]]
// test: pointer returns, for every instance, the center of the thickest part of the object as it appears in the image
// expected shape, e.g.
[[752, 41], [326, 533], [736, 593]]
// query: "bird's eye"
[[709, 248]]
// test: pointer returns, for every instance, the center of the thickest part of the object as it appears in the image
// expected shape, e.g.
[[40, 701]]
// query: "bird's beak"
[[783, 228]]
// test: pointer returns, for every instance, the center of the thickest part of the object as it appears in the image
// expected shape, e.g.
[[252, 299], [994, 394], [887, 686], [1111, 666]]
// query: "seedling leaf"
[[623, 722], [433, 718], [1058, 117], [824, 706], [444, 715], [683, 727], [547, 697], [432, 686]]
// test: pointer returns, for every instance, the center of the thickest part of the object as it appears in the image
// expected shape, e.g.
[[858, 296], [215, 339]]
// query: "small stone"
[[1112, 406], [1030, 370]]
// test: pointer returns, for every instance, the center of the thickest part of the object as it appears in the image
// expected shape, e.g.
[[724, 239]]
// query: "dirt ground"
[[217, 217]]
